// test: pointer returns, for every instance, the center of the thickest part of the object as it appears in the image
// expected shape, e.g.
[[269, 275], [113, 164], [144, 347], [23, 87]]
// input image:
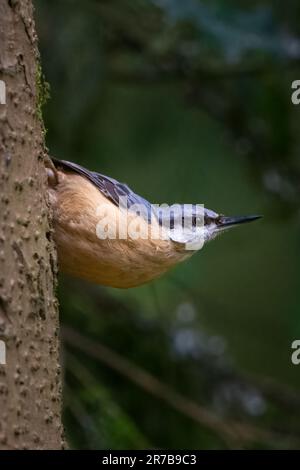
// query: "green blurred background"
[[186, 101]]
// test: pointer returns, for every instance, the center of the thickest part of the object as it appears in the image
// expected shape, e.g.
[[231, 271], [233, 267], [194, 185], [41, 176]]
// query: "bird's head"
[[215, 224], [196, 228]]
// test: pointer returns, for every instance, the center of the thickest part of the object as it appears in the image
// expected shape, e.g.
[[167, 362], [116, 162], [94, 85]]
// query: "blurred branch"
[[274, 391], [234, 433]]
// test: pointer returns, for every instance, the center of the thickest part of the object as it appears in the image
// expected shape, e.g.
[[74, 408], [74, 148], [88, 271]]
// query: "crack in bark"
[[3, 309]]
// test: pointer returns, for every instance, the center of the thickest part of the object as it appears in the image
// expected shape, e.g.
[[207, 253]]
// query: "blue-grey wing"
[[109, 187]]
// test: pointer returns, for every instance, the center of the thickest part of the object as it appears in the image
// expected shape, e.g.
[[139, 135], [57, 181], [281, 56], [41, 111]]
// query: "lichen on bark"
[[43, 93]]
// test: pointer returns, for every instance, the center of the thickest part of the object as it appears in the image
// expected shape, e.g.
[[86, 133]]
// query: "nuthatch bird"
[[81, 199]]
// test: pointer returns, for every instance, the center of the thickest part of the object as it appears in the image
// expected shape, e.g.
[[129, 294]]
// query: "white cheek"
[[210, 232]]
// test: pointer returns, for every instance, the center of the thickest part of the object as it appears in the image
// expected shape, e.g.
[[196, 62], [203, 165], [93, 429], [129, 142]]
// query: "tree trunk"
[[30, 383]]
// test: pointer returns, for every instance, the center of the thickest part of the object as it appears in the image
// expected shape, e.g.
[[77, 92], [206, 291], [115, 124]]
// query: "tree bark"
[[30, 382]]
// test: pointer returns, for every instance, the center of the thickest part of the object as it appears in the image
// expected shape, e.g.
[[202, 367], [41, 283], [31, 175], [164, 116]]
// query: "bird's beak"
[[227, 222]]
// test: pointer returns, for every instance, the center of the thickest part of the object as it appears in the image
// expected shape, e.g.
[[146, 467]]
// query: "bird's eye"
[[218, 220]]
